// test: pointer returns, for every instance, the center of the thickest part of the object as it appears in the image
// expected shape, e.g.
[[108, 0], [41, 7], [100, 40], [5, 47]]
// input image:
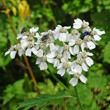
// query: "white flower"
[[63, 66], [61, 33], [85, 56], [66, 51], [42, 61], [19, 49], [88, 41], [74, 34], [78, 23], [12, 53], [40, 48], [50, 43], [77, 75], [59, 56], [77, 42], [30, 49], [96, 34], [13, 50], [80, 62]]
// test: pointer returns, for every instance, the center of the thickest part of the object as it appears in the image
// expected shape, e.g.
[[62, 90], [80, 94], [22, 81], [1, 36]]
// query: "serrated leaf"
[[41, 100]]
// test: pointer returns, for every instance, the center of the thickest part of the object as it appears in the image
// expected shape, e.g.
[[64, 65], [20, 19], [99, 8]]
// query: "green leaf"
[[107, 53], [41, 100]]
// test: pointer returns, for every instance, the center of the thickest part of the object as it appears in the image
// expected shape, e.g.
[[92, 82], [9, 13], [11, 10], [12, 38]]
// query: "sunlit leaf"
[[14, 10]]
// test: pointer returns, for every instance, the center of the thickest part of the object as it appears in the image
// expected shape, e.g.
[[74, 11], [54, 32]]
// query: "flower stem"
[[78, 98], [25, 58], [60, 83]]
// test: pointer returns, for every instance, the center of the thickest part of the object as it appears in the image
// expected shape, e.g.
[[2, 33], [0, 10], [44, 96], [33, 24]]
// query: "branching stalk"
[[25, 57]]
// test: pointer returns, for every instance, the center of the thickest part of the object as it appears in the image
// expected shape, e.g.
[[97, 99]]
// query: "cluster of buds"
[[47, 49]]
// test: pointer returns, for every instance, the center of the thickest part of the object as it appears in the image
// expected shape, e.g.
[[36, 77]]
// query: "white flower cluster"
[[45, 46]]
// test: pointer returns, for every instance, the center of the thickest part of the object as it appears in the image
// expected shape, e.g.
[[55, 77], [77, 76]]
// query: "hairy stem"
[[81, 107], [25, 58]]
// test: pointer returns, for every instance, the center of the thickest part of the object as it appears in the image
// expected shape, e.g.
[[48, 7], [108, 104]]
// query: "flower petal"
[[38, 60], [28, 52], [73, 81], [84, 67], [78, 68], [97, 37], [20, 52], [40, 53], [89, 61], [6, 53], [91, 45], [76, 49], [61, 71], [83, 78], [43, 66], [67, 55], [12, 54]]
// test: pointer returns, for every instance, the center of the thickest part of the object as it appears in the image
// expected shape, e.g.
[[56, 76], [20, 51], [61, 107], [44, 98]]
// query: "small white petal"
[[89, 54], [40, 53], [67, 27], [34, 30], [37, 36], [73, 81], [19, 36], [71, 72], [56, 35], [38, 60], [71, 42], [78, 68], [12, 54], [83, 78], [50, 60], [71, 50], [56, 62], [91, 45], [76, 49], [89, 61], [84, 67], [63, 60], [61, 71], [60, 66], [83, 46], [97, 37], [67, 54], [20, 52], [52, 47], [73, 64], [43, 66], [77, 24], [28, 52], [6, 53], [62, 37], [34, 50], [52, 54], [24, 44]]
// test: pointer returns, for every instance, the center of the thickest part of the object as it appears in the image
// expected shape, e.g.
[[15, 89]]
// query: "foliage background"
[[15, 82]]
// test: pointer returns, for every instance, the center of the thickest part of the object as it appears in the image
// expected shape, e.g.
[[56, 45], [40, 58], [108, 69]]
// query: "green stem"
[[78, 98], [60, 83], [76, 94]]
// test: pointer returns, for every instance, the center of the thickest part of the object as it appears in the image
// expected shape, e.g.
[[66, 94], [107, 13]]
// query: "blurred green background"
[[16, 84]]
